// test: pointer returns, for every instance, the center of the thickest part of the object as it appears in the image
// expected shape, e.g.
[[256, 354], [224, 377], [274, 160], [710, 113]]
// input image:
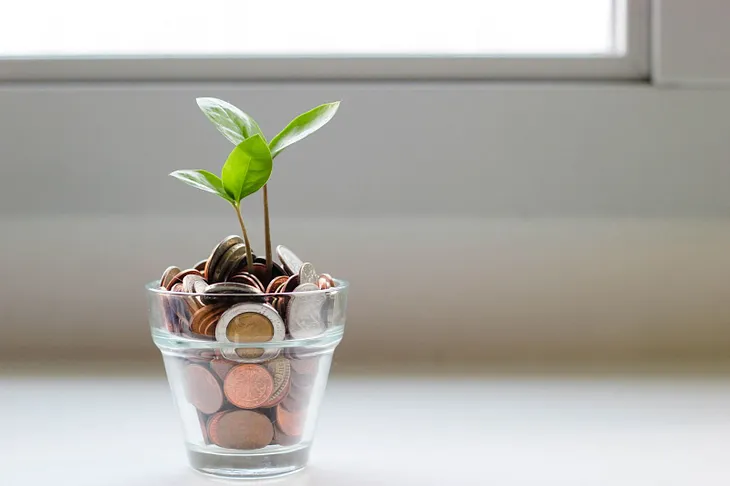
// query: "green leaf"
[[247, 169], [203, 180], [234, 124], [303, 126]]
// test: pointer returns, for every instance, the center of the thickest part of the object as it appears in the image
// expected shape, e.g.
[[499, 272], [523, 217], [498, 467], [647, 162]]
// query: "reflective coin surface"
[[292, 263], [307, 274], [241, 429], [304, 313], [248, 386]]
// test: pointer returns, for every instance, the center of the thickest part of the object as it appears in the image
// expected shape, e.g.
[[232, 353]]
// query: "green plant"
[[245, 171], [236, 182]]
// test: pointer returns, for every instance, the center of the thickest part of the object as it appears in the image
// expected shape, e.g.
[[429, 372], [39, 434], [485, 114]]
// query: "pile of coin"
[[248, 397], [233, 307], [251, 406]]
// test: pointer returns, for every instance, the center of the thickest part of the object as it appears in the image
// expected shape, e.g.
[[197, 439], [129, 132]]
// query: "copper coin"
[[329, 279], [247, 278], [200, 266], [248, 386], [167, 276], [180, 276], [291, 284], [217, 253], [259, 270], [241, 429], [280, 369], [205, 317], [202, 389], [282, 439], [293, 405], [210, 327], [168, 314], [278, 397], [276, 300], [291, 423], [212, 423], [325, 282], [221, 367], [180, 309], [275, 283], [229, 263], [276, 269]]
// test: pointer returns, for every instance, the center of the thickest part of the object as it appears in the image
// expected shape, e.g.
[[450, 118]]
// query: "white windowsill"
[[450, 429]]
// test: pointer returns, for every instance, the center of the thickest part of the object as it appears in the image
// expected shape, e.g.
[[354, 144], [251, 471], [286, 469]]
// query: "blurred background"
[[528, 197]]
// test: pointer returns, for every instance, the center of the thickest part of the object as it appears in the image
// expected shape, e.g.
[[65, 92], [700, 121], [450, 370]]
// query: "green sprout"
[[249, 166], [246, 170]]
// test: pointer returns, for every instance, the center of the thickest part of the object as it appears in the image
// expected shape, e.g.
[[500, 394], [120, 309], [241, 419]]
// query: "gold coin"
[[252, 323], [249, 327], [250, 353]]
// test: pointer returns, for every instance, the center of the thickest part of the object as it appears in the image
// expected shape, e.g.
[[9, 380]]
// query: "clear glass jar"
[[248, 412]]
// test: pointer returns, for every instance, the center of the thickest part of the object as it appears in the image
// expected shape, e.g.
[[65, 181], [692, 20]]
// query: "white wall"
[[576, 220]]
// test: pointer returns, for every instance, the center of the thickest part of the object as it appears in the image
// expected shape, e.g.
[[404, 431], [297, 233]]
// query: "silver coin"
[[191, 282], [265, 310], [307, 274], [291, 262], [218, 252], [229, 262], [199, 286], [304, 313], [229, 292]]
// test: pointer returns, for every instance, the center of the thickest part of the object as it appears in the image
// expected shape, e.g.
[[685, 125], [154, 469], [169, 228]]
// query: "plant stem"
[[249, 256], [267, 234]]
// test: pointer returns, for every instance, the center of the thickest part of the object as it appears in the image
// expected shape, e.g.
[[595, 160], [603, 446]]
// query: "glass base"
[[224, 463]]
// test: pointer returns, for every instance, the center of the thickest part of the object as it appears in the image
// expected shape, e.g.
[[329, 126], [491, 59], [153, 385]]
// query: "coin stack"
[[233, 308], [250, 406], [246, 397]]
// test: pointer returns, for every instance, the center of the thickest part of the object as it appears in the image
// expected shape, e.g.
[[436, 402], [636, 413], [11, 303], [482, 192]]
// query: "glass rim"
[[168, 341], [155, 288]]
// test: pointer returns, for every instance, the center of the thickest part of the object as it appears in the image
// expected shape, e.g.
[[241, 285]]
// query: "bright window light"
[[48, 28]]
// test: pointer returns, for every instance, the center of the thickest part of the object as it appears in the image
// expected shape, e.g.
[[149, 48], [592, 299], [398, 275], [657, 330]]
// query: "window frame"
[[632, 64]]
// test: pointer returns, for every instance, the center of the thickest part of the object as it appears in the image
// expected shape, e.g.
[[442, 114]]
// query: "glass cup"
[[248, 411]]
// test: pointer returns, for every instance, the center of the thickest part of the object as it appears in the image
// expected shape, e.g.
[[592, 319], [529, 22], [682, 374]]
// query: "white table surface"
[[446, 430]]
